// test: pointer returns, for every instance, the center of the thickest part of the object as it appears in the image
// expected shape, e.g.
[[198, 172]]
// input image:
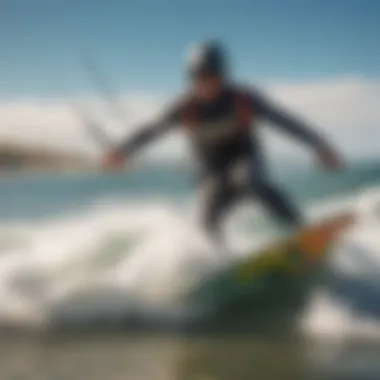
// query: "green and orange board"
[[296, 256]]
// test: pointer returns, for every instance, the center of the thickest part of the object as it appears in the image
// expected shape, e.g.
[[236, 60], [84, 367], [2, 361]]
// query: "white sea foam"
[[118, 260], [348, 308]]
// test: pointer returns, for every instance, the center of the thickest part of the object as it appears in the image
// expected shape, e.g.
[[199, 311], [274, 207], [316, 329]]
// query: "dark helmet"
[[207, 58]]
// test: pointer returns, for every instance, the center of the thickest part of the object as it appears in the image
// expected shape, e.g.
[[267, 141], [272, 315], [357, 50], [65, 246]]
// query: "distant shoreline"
[[18, 158]]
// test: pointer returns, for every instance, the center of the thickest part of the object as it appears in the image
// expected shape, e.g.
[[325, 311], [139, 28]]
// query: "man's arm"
[[287, 123], [151, 131], [146, 134], [298, 129]]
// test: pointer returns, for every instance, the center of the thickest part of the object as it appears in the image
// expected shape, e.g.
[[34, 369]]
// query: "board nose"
[[315, 242]]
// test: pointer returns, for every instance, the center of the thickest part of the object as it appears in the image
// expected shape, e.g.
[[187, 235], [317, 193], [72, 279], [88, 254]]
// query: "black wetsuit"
[[225, 141]]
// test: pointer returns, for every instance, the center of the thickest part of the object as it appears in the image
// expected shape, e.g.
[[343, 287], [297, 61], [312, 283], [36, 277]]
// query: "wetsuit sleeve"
[[287, 123], [151, 131]]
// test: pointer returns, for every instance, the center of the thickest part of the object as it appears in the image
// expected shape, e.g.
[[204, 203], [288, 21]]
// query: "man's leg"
[[278, 204], [217, 197], [274, 199]]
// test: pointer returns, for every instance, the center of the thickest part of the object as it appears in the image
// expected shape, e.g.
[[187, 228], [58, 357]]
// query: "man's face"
[[207, 86]]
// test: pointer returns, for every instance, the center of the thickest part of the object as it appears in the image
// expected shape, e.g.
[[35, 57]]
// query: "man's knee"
[[279, 203], [261, 186]]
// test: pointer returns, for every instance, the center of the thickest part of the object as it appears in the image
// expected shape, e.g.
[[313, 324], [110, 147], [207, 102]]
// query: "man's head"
[[206, 68]]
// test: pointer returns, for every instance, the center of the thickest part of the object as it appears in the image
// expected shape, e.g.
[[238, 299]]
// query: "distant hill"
[[15, 156]]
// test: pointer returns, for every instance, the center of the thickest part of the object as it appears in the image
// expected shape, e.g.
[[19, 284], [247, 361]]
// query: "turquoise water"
[[33, 196]]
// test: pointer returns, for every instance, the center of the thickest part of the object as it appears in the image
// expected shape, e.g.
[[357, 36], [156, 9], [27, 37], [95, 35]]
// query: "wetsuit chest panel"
[[219, 130], [215, 122]]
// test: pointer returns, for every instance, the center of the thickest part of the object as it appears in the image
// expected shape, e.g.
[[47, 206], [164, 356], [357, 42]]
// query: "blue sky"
[[140, 43]]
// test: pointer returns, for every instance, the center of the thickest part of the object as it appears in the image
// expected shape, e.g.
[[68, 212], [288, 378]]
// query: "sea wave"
[[131, 260]]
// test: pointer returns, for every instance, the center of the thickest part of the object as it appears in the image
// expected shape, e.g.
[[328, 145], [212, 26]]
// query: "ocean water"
[[96, 269]]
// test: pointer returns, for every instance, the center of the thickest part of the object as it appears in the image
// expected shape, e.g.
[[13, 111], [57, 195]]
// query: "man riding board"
[[221, 119]]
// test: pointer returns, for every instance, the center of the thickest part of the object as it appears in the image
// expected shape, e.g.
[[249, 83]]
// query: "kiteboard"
[[289, 258], [300, 252]]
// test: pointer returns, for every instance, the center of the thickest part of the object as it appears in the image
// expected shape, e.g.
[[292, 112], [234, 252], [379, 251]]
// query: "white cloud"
[[347, 110]]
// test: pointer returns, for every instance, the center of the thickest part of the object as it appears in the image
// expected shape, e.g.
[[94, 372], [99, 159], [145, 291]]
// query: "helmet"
[[207, 58]]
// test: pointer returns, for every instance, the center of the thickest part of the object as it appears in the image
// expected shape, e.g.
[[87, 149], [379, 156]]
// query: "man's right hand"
[[329, 159], [113, 161]]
